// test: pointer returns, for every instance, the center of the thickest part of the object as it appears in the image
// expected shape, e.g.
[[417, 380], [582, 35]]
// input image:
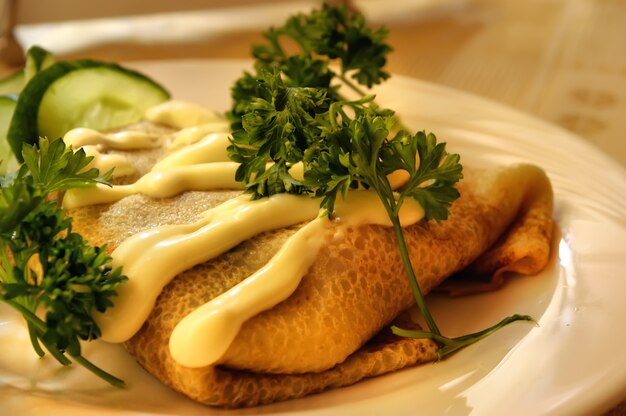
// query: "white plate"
[[572, 362]]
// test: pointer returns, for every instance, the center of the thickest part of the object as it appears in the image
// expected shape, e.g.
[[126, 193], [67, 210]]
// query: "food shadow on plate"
[[438, 387]]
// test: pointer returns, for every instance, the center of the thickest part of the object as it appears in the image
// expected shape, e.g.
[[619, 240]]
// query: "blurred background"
[[561, 60]]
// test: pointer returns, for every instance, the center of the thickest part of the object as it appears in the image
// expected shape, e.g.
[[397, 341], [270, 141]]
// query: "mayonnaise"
[[212, 148], [151, 259], [203, 336], [194, 134], [179, 114], [162, 184], [123, 140], [120, 164]]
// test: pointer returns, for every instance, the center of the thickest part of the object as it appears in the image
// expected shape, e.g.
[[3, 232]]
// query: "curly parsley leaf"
[[432, 171], [55, 167], [336, 34], [303, 50], [342, 145], [45, 268], [278, 127]]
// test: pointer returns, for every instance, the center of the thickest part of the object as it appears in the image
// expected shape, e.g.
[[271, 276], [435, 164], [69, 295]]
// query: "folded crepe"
[[333, 330]]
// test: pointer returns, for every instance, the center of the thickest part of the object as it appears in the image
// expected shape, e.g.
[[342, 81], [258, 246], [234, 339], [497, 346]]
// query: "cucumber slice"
[[12, 84], [8, 163], [37, 59], [82, 93]]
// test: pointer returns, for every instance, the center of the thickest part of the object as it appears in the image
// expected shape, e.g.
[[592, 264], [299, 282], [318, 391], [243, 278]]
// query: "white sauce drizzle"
[[164, 184], [123, 140], [191, 135], [179, 114], [94, 142], [104, 162], [297, 171], [151, 259], [203, 336], [212, 148]]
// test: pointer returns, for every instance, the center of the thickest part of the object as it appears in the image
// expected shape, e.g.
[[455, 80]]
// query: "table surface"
[[563, 61]]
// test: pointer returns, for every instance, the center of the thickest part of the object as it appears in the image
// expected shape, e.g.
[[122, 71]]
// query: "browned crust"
[[316, 339]]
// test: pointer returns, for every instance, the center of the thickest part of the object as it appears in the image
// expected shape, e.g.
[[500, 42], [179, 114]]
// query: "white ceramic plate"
[[572, 362]]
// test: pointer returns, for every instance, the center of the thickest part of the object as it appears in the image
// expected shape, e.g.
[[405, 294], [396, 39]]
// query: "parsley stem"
[[34, 340], [36, 327], [450, 345], [382, 187], [55, 352], [109, 378], [352, 85], [417, 293], [30, 317], [36, 330]]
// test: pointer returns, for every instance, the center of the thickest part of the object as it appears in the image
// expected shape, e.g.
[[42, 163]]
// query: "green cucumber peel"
[[37, 59], [8, 162], [25, 125]]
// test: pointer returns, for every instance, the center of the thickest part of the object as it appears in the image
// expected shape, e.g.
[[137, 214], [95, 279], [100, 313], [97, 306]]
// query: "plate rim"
[[618, 393]]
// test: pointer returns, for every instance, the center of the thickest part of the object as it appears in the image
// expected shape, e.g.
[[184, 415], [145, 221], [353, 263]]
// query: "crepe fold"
[[332, 331]]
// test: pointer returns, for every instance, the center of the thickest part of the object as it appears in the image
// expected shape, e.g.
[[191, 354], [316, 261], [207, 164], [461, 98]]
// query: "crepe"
[[332, 331]]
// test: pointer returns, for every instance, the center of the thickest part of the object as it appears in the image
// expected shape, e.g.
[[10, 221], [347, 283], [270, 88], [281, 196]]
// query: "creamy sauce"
[[123, 140], [104, 162], [203, 336], [163, 184], [399, 178], [94, 143], [200, 166], [212, 148], [191, 135], [151, 259], [179, 114], [297, 171]]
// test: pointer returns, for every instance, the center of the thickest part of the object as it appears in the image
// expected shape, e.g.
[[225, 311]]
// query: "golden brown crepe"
[[322, 336]]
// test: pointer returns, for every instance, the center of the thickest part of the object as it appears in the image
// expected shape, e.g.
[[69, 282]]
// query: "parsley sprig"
[[332, 33], [289, 112], [305, 46], [49, 273]]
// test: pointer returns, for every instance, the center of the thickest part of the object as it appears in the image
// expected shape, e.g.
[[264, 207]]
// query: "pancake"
[[332, 331]]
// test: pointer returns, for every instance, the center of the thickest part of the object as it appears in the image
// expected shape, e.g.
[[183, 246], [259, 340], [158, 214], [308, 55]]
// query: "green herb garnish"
[[325, 36], [48, 273], [343, 144]]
